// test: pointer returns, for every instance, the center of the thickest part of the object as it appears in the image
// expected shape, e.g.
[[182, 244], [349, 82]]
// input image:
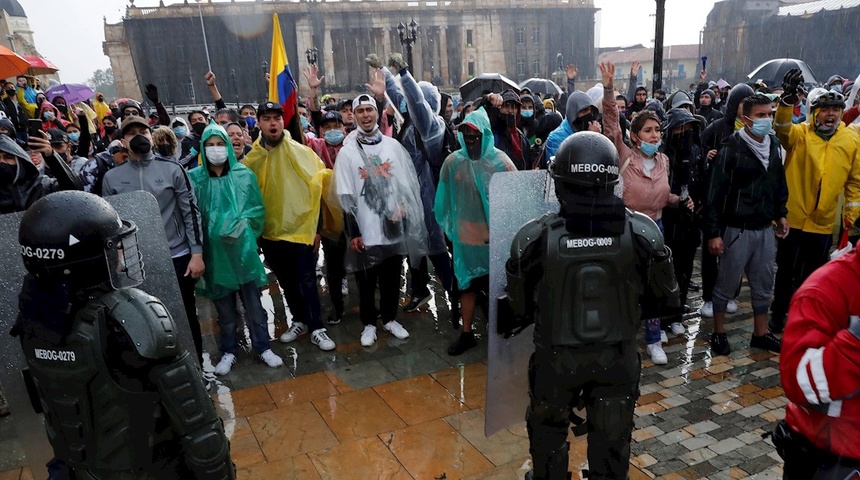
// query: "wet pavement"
[[405, 409]]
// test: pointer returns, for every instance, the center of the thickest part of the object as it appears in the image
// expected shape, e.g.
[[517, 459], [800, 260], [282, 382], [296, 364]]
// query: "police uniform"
[[583, 275], [121, 398]]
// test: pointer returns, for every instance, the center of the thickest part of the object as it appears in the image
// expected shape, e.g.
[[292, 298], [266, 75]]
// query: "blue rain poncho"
[[462, 205], [231, 207]]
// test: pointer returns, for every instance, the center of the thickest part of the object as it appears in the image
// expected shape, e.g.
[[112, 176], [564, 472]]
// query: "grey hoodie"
[[169, 184]]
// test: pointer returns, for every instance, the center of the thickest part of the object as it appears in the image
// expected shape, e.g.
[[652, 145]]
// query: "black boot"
[[465, 342]]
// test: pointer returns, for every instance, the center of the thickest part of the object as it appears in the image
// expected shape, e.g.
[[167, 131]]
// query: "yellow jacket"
[[291, 179], [817, 171]]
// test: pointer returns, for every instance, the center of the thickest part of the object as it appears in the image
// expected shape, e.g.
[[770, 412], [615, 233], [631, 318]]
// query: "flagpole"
[[205, 43]]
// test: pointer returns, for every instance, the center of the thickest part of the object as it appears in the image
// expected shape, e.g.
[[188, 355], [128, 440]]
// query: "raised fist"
[[792, 79], [395, 61], [373, 61], [152, 93]]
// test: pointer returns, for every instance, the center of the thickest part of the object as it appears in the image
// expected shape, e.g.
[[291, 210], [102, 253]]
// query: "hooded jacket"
[[687, 163], [720, 130], [58, 121], [28, 185], [232, 211], [462, 200], [577, 101], [818, 170]]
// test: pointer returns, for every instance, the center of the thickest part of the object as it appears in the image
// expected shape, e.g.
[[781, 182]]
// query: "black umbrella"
[[486, 82], [542, 86], [773, 71]]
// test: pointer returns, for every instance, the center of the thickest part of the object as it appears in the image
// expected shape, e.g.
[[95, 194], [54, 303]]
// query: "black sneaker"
[[767, 341], [465, 342], [416, 303], [720, 344], [775, 325]]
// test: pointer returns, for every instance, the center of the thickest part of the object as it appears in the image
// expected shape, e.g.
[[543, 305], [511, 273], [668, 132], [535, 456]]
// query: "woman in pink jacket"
[[645, 180]]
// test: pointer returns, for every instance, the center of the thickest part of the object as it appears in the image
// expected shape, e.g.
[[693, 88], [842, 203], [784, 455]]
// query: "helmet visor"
[[124, 260]]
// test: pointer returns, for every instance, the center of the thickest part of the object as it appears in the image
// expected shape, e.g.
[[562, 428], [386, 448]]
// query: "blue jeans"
[[255, 318]]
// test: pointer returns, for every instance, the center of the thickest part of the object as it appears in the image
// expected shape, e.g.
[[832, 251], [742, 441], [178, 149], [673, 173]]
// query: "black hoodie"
[[720, 130], [29, 184]]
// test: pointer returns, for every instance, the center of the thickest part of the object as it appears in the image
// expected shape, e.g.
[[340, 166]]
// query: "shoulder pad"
[[146, 321], [527, 234], [646, 231]]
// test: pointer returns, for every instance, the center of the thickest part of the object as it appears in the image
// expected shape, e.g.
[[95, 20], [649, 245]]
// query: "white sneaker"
[[396, 329], [707, 310], [368, 336], [297, 330], [678, 328], [658, 356], [344, 287], [322, 340], [225, 364], [663, 337], [731, 307], [271, 359]]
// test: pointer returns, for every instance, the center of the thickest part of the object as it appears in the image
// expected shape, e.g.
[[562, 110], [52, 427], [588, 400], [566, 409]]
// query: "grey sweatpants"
[[746, 251]]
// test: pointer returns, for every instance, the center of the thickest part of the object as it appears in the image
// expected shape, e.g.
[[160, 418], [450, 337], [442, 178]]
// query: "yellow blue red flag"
[[282, 86]]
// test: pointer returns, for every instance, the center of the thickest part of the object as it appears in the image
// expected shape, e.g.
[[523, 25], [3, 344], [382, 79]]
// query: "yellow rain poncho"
[[102, 109], [291, 177]]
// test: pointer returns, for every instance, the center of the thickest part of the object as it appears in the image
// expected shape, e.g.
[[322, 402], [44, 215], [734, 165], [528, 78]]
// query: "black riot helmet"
[[78, 238], [585, 161]]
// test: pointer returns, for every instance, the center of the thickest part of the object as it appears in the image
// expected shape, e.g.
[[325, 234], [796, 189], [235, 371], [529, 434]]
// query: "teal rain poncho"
[[462, 205], [231, 207]]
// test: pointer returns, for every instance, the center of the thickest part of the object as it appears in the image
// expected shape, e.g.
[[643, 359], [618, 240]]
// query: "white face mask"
[[216, 155]]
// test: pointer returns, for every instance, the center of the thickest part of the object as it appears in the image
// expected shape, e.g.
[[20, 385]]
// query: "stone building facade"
[[457, 39]]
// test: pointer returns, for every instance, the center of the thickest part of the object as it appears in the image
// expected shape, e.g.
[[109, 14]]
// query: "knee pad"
[[612, 416], [542, 413]]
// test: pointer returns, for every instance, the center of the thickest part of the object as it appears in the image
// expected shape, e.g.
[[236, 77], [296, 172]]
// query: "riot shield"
[[142, 209], [515, 199]]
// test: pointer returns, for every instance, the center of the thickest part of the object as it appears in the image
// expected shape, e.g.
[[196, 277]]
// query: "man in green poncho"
[[462, 208], [231, 205]]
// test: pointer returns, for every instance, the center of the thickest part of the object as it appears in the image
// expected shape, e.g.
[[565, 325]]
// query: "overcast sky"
[[70, 32]]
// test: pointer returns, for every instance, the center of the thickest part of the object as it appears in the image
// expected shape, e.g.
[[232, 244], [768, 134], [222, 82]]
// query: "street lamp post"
[[265, 67], [658, 47], [311, 55], [234, 85], [407, 38]]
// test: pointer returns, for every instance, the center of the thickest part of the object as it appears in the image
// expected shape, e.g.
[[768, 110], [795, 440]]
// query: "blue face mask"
[[527, 113], [180, 132], [305, 123], [333, 137], [251, 122], [761, 127], [74, 137], [649, 149], [48, 116]]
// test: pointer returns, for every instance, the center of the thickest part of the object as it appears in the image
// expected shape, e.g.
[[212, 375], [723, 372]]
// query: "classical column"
[[328, 58]]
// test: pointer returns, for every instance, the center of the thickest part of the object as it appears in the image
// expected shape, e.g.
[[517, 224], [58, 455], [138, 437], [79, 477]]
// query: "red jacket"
[[820, 360]]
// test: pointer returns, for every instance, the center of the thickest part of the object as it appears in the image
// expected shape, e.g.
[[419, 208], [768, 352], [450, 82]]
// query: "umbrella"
[[72, 92], [773, 71], [541, 85], [11, 64], [39, 65], [486, 82]]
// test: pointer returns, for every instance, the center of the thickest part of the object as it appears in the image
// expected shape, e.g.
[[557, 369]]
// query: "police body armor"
[[586, 295]]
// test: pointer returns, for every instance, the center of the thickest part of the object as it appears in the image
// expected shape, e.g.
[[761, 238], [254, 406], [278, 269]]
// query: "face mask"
[[140, 145], [527, 113], [305, 123], [333, 137], [180, 132], [761, 127], [74, 137], [821, 129], [510, 120], [216, 155], [7, 173], [164, 150], [48, 116], [62, 108], [251, 122], [198, 128], [649, 149], [109, 130], [836, 88], [738, 124], [683, 140], [580, 124]]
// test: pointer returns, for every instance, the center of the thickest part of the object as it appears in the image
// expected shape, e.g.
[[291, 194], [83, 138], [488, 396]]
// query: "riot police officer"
[[582, 274], [120, 396]]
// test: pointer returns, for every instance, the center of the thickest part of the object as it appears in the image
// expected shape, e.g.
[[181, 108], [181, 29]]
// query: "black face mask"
[[62, 108], [580, 124], [198, 128], [109, 130], [164, 150], [8, 173], [683, 141], [140, 145], [510, 120], [474, 149]]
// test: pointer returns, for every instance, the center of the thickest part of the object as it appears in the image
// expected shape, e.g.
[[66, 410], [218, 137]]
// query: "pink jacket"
[[648, 195]]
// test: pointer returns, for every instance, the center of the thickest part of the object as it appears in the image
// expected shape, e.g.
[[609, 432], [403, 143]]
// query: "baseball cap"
[[510, 96], [680, 99], [128, 122], [363, 100], [269, 107], [345, 103], [58, 136], [330, 116]]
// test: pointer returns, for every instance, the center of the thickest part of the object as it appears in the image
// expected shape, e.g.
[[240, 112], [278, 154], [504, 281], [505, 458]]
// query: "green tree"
[[102, 81]]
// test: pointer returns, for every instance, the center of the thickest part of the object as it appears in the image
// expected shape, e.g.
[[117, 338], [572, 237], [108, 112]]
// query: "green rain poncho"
[[231, 207], [462, 205]]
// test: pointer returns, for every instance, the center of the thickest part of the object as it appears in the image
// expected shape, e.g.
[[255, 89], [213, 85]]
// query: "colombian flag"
[[282, 86]]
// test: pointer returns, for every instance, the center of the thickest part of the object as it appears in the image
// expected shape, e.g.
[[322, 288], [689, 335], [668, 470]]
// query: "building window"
[[471, 69], [521, 67], [189, 89], [468, 38], [536, 67], [521, 35], [536, 35]]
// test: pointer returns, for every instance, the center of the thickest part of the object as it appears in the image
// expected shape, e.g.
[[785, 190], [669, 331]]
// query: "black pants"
[[334, 251], [295, 266], [682, 236], [186, 289], [606, 381], [387, 276], [805, 461], [709, 272], [421, 275], [797, 256]]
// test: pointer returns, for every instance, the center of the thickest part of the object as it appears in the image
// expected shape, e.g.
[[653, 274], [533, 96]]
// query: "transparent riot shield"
[[142, 209], [515, 199]]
